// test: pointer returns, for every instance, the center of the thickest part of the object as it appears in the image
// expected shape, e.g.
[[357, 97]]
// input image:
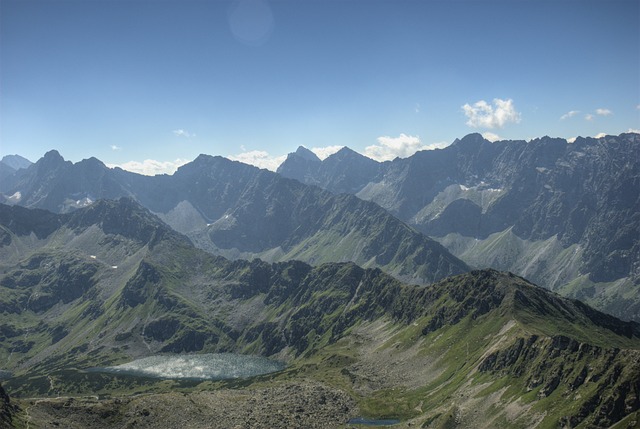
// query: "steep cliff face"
[[7, 410], [613, 376]]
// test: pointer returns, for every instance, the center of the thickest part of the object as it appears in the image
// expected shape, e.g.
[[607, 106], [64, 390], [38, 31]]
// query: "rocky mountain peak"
[[49, 163], [470, 140], [16, 162], [92, 162], [347, 153], [306, 154], [299, 164], [52, 156], [210, 162]]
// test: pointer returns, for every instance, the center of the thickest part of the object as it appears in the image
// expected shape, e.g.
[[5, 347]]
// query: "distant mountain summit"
[[61, 186], [345, 171], [302, 163], [306, 154], [15, 161], [9, 164]]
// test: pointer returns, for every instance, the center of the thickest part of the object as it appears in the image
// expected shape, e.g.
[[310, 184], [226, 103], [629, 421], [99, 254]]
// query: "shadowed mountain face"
[[6, 410], [111, 282], [236, 210], [565, 215]]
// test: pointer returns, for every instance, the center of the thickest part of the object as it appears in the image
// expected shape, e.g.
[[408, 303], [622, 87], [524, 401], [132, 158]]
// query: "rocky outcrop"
[[560, 363], [7, 410], [289, 405]]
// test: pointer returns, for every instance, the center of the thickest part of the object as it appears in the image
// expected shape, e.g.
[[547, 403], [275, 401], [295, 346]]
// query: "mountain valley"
[[111, 282], [369, 317], [307, 214]]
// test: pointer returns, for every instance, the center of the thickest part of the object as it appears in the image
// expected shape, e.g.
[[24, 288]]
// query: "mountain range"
[[110, 282], [240, 211], [565, 215], [371, 316]]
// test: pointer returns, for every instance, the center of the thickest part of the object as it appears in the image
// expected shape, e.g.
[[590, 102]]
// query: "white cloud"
[[569, 114], [403, 146], [485, 115], [588, 117], [600, 135], [638, 107], [571, 139], [183, 133], [633, 130], [604, 112], [114, 147], [417, 108], [491, 136], [151, 167], [436, 145], [259, 158], [324, 152]]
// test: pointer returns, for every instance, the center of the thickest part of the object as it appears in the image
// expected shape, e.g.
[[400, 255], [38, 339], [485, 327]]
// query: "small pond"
[[373, 422], [212, 366]]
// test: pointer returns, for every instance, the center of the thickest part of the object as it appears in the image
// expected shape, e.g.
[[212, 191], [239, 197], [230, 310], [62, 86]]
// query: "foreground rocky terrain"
[[308, 405]]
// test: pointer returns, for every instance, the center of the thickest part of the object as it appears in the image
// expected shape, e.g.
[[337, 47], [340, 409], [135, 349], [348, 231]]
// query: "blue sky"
[[151, 84]]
